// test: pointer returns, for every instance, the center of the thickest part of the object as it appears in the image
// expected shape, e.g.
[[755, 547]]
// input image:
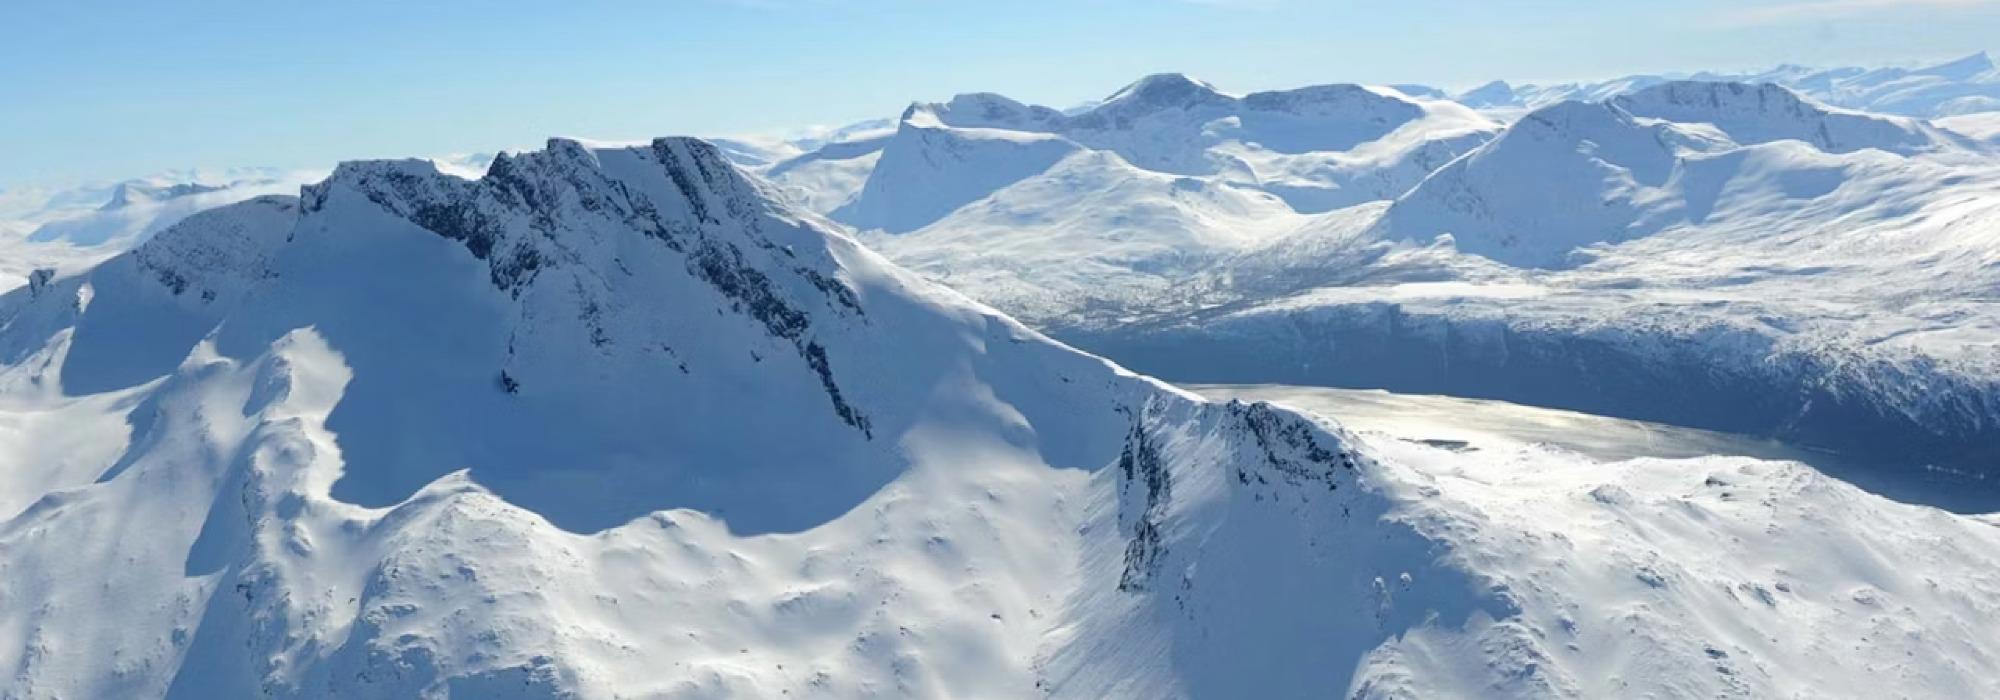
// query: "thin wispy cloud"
[[1811, 10]]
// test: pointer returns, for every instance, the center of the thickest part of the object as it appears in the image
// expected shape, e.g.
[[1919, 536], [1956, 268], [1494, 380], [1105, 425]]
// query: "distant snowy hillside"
[[1318, 148], [135, 209], [1724, 255], [1964, 86], [1106, 208], [1664, 156], [1756, 264], [69, 228], [929, 169], [1092, 234]]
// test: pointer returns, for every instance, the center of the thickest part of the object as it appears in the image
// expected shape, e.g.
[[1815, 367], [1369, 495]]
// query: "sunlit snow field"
[[1463, 424]]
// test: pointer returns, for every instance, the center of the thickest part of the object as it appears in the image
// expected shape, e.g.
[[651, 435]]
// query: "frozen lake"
[[1472, 424]]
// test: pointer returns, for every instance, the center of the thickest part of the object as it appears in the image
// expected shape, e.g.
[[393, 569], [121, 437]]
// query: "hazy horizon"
[[243, 84]]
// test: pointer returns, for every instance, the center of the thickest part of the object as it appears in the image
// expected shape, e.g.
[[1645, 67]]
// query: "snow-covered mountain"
[[1667, 155], [1107, 207], [1318, 148], [613, 422], [1808, 263], [1963, 86], [1717, 255]]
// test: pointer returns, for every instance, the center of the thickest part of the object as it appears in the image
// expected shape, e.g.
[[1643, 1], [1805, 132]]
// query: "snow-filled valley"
[[754, 417]]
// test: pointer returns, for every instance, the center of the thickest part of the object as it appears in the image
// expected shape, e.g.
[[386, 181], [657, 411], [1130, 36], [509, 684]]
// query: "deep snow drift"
[[615, 422]]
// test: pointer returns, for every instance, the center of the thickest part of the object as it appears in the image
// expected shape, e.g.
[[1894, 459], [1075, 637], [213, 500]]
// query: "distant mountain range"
[[1964, 86]]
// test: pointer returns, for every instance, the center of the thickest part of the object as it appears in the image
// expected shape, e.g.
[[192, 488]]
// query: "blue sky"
[[97, 89]]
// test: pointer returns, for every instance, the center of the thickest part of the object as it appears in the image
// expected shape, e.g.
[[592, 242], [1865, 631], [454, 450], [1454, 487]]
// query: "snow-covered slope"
[[618, 422], [929, 169], [1092, 235], [1984, 126]]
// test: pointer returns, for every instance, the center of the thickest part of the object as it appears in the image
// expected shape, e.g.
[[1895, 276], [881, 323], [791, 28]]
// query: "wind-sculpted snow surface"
[[614, 422]]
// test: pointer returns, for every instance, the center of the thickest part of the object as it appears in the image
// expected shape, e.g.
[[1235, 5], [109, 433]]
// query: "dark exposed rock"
[[39, 279], [1139, 467], [721, 211]]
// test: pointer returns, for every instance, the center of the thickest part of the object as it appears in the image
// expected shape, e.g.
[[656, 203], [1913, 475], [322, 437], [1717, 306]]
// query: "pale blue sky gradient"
[[97, 89]]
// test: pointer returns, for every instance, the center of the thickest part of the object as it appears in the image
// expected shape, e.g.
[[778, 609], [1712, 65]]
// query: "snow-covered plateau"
[[754, 418]]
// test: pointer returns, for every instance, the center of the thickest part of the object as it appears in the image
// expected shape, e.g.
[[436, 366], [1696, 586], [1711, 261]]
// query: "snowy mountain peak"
[[1965, 68], [985, 110], [1571, 123], [705, 188], [1165, 88], [931, 167], [1493, 94], [1703, 100], [1160, 92], [1765, 112], [1337, 100]]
